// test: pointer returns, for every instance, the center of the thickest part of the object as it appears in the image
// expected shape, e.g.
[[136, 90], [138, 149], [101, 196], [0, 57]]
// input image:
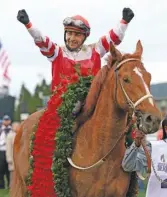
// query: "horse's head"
[[132, 88]]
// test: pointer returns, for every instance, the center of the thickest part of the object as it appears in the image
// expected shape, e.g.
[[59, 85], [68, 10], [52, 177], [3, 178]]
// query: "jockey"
[[76, 31]]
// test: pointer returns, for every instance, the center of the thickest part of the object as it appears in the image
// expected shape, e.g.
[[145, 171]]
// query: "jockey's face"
[[74, 39]]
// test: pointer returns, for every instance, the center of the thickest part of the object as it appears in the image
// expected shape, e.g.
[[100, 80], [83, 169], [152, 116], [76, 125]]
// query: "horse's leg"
[[17, 188], [21, 155], [117, 186], [17, 185]]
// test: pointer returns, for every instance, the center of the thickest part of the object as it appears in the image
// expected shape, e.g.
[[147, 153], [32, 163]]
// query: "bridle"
[[131, 104], [132, 107]]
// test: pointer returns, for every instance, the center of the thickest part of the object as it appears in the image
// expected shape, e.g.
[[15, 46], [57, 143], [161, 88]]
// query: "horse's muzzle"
[[148, 123]]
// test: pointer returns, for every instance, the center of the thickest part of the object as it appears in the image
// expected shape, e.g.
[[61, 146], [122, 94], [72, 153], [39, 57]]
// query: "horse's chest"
[[101, 185]]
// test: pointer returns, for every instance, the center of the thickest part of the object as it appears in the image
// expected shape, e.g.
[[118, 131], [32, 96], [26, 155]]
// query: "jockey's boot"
[[77, 108]]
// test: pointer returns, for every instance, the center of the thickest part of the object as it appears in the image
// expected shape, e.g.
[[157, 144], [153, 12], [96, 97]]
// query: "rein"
[[103, 159], [132, 108]]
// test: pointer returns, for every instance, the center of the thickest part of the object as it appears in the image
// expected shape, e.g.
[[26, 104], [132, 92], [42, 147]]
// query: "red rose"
[[64, 81], [29, 188], [74, 78], [84, 72]]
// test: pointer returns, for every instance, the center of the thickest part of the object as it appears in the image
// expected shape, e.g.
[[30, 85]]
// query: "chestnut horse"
[[114, 92]]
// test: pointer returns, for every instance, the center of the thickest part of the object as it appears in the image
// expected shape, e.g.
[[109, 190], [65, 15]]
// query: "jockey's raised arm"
[[47, 47], [115, 35]]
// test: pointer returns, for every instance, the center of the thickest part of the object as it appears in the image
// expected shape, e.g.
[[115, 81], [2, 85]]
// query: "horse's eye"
[[127, 79]]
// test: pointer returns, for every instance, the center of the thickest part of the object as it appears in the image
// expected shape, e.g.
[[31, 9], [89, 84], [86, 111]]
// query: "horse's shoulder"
[[33, 117], [32, 120]]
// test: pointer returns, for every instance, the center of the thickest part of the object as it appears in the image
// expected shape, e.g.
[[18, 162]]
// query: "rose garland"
[[77, 89], [64, 136]]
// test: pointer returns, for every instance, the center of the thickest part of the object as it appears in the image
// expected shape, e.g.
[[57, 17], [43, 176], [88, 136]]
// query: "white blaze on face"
[[137, 71]]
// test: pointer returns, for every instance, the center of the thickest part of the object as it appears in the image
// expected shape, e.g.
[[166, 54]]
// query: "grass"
[[142, 194], [4, 193]]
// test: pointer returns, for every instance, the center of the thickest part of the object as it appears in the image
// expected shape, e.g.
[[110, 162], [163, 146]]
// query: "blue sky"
[[149, 25]]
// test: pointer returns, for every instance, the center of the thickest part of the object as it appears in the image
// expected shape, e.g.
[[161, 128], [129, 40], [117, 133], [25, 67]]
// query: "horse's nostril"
[[148, 118]]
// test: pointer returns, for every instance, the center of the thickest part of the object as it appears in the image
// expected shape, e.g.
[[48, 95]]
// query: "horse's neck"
[[112, 114], [118, 120], [108, 120], [113, 122], [102, 131]]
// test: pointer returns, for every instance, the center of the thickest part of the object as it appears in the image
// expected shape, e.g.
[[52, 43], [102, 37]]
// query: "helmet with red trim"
[[77, 23]]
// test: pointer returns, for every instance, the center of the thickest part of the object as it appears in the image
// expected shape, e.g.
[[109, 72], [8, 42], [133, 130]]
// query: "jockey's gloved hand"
[[22, 16], [77, 108], [127, 14]]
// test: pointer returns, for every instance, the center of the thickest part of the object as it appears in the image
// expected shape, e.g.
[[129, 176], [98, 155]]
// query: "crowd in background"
[[8, 131]]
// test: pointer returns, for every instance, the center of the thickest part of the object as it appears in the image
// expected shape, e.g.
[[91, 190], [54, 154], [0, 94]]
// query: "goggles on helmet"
[[76, 23]]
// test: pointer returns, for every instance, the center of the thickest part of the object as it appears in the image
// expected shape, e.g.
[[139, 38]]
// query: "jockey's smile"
[[74, 40]]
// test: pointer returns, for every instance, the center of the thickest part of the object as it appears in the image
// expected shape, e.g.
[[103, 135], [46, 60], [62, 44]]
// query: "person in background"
[[163, 109], [156, 187], [163, 131], [0, 123], [9, 147], [4, 131], [134, 158]]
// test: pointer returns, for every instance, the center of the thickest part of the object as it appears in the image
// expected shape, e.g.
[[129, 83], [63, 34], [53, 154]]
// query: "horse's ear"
[[139, 49], [116, 55]]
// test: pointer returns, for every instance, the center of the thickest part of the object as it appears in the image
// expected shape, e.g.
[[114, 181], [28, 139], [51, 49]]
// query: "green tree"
[[17, 113], [23, 101], [45, 88], [34, 103], [29, 103]]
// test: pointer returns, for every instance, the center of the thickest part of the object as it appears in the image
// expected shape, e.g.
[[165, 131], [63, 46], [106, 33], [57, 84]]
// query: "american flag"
[[4, 66]]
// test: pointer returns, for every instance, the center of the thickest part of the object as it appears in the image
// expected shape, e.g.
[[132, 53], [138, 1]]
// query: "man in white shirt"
[[156, 187], [4, 131]]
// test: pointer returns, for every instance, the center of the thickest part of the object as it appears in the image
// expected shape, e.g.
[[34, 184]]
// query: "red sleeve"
[[46, 46], [115, 35]]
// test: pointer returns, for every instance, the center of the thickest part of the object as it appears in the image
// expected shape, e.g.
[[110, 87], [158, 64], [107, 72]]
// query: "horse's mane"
[[96, 86], [92, 96], [95, 89]]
